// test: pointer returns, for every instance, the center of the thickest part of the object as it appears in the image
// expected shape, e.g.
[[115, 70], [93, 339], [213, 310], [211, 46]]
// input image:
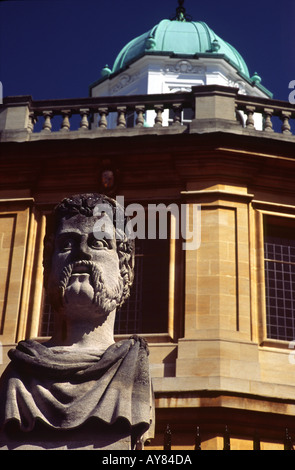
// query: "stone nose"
[[83, 251]]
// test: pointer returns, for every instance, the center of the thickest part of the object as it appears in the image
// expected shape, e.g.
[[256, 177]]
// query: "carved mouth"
[[81, 268]]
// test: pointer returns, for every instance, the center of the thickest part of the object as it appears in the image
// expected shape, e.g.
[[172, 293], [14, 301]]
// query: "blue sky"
[[56, 48]]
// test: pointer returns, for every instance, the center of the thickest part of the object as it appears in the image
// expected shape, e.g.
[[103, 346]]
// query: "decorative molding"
[[184, 66], [221, 194], [279, 209], [124, 80], [238, 84], [178, 89], [108, 178]]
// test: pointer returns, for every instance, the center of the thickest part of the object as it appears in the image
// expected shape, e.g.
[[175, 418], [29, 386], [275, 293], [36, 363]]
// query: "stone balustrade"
[[268, 109], [210, 106]]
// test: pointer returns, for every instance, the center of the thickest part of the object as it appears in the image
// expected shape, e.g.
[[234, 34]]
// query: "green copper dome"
[[183, 38]]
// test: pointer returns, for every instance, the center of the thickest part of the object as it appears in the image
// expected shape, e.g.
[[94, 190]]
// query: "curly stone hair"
[[85, 204]]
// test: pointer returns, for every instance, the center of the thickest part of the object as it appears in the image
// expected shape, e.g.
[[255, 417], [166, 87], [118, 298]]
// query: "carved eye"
[[97, 244], [67, 245], [98, 240]]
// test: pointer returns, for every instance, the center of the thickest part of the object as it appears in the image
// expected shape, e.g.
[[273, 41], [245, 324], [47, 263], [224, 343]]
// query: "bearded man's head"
[[83, 261]]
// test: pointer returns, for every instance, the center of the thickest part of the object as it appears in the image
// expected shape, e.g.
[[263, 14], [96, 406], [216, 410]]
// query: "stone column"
[[14, 118], [217, 332], [214, 104]]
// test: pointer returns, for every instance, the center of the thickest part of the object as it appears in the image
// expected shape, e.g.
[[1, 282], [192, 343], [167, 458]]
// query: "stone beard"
[[84, 281]]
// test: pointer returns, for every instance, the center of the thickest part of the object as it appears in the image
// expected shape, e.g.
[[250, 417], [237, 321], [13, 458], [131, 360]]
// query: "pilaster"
[[218, 316]]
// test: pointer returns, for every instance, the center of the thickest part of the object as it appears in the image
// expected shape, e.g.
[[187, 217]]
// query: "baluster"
[[47, 126], [103, 123], [84, 124], [177, 108], [250, 120], [285, 116], [140, 118], [32, 121], [66, 114], [268, 113], [121, 122], [167, 438], [159, 108]]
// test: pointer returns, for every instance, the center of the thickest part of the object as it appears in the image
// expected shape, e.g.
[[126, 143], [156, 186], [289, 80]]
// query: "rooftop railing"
[[209, 105]]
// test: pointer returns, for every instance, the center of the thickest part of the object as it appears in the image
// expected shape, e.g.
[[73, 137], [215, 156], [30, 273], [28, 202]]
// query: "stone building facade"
[[219, 319]]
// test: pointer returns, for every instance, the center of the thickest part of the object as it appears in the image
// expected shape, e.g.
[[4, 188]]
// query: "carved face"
[[85, 276], [107, 179]]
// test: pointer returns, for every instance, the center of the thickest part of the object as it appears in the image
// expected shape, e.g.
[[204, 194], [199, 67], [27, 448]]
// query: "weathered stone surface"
[[81, 374]]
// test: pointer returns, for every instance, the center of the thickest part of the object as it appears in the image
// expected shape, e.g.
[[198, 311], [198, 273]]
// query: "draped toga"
[[65, 388]]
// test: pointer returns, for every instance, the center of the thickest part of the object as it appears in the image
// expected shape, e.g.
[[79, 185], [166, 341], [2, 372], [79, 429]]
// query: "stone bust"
[[81, 376]]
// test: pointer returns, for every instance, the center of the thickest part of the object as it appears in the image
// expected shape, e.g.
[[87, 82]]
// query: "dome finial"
[[181, 13]]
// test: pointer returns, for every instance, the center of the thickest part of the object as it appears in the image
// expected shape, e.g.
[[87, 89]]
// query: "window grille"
[[46, 326], [279, 253], [128, 318]]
